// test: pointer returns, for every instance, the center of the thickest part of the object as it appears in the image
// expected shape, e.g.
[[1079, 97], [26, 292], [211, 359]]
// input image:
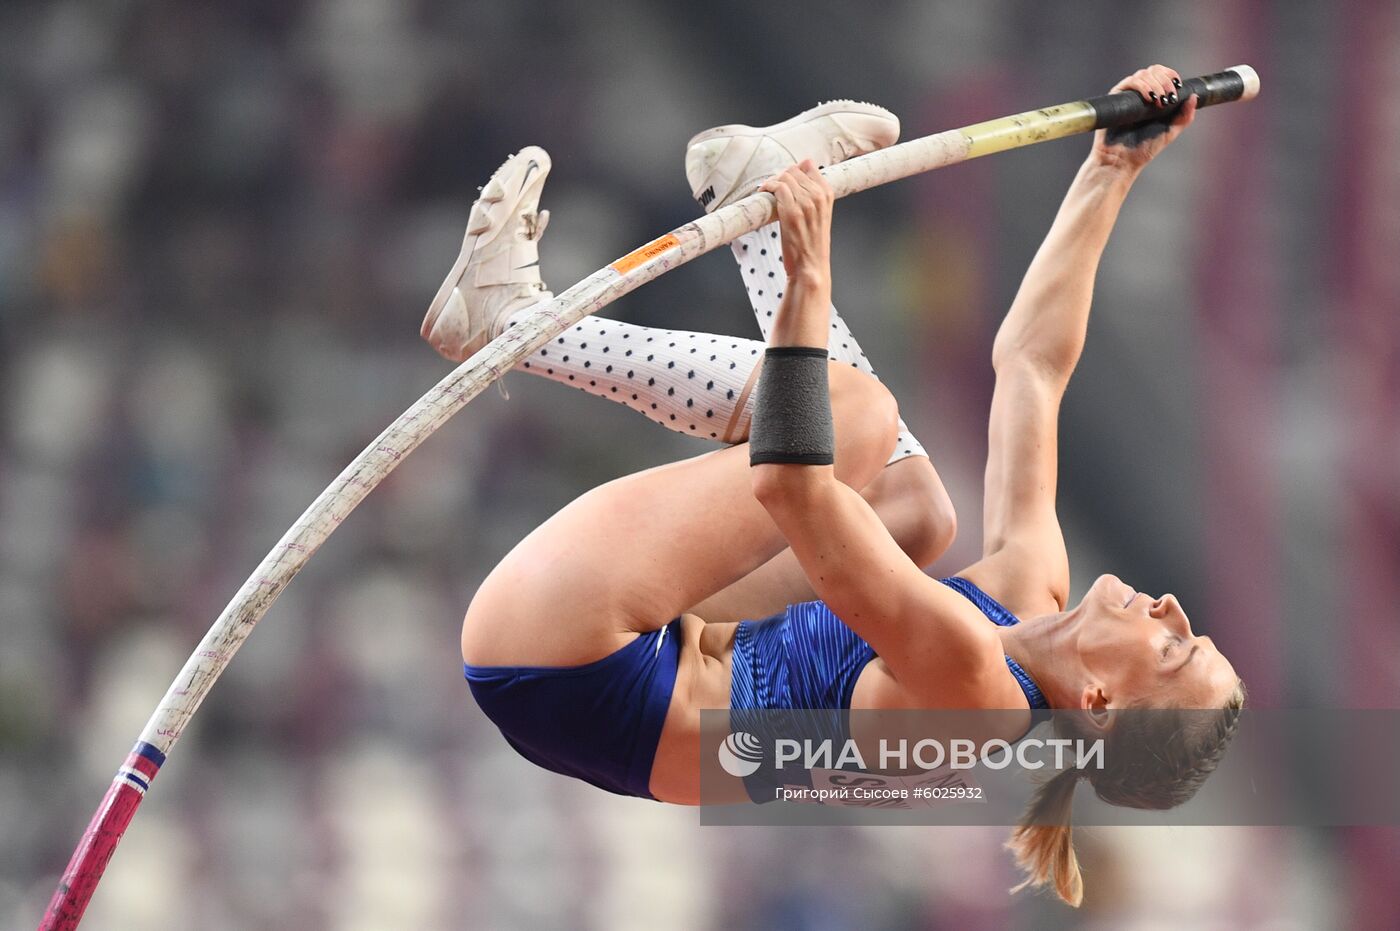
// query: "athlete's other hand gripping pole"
[[430, 412]]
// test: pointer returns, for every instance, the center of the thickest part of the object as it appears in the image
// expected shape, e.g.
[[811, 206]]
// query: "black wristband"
[[792, 409]]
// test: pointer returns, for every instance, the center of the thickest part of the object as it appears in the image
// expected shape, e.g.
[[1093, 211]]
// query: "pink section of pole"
[[89, 861]]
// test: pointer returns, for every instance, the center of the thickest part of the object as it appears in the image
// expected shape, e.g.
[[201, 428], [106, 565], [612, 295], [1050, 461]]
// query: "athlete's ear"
[[1094, 702]]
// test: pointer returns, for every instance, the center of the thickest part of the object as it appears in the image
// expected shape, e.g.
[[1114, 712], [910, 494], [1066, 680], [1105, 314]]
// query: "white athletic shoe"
[[727, 163], [498, 270]]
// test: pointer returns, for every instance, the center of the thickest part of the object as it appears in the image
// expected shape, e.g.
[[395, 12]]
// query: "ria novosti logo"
[[740, 754]]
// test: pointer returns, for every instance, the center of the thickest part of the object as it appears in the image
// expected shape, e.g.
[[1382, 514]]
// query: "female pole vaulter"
[[782, 571]]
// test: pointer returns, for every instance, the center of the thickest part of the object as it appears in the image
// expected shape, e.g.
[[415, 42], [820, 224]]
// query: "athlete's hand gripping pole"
[[499, 356]]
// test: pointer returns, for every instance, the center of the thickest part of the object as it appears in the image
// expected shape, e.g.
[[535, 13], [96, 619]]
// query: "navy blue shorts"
[[599, 722]]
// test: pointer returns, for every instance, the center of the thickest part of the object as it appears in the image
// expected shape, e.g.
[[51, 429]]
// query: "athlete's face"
[[1140, 650]]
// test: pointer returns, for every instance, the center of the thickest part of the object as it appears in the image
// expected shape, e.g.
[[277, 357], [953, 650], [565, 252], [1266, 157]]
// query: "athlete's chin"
[[1108, 589]]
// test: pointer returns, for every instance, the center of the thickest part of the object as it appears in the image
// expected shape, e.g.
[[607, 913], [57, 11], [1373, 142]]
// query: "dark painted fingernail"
[[1171, 98], [1153, 95], [1176, 82]]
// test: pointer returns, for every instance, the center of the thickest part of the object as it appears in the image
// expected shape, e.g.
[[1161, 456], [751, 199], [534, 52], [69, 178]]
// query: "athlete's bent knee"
[[916, 508], [865, 413]]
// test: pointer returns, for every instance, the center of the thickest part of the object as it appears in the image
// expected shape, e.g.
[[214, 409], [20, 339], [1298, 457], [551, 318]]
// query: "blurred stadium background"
[[220, 224]]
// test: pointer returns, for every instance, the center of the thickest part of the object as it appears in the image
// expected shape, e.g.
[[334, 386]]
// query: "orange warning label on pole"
[[650, 251]]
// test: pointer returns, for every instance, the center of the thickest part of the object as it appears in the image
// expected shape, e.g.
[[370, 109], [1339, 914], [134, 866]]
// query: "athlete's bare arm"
[[939, 649], [1024, 562]]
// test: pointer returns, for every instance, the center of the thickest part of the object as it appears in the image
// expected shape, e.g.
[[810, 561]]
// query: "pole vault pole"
[[501, 355]]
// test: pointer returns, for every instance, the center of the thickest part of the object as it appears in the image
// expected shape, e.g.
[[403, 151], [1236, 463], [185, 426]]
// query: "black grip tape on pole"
[[1127, 108]]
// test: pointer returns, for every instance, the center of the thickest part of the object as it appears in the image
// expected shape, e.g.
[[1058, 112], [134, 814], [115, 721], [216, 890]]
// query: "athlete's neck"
[[1044, 648]]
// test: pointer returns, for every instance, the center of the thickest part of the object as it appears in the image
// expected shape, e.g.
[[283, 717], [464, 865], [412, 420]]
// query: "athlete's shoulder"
[[1008, 578]]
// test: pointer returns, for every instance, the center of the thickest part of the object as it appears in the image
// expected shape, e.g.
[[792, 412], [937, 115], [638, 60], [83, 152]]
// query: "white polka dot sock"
[[693, 383], [761, 265]]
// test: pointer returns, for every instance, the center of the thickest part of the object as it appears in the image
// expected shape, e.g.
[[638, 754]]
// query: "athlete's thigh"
[[626, 557], [631, 555], [910, 500]]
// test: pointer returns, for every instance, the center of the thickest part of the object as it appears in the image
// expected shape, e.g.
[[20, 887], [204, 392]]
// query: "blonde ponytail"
[[1156, 758], [1043, 843]]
